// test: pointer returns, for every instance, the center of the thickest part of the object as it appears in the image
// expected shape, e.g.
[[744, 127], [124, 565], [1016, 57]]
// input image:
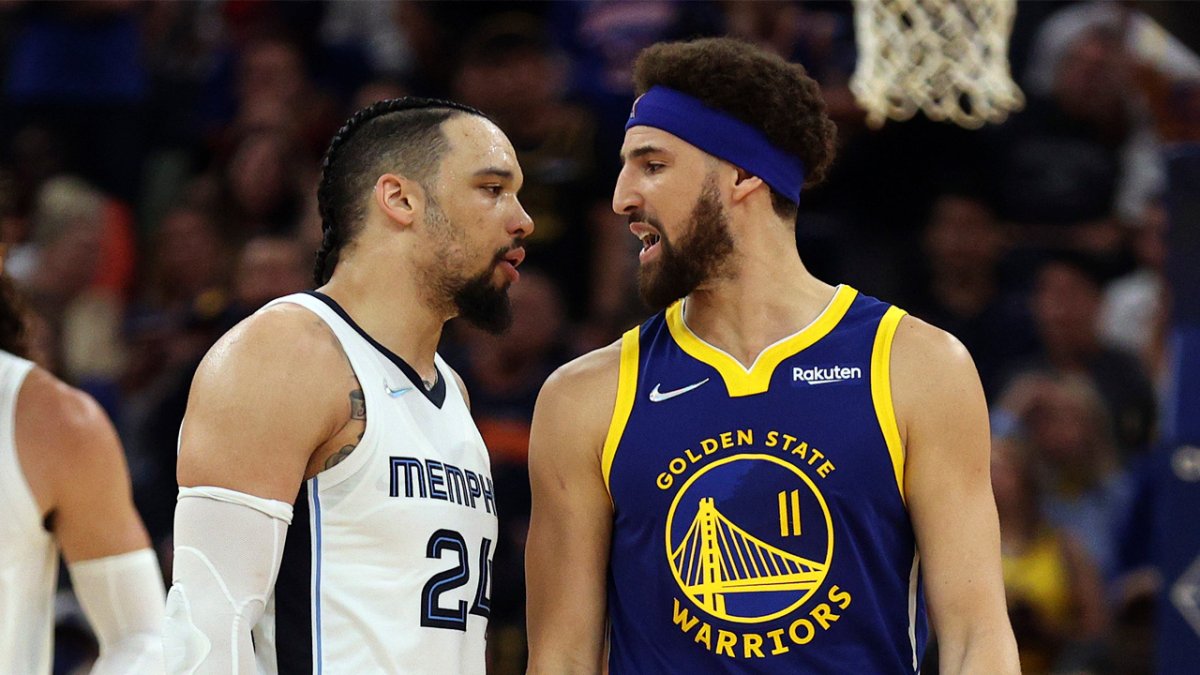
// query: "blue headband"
[[720, 135]]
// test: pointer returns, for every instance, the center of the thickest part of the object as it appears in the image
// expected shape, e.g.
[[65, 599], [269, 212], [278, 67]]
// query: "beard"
[[699, 256], [482, 303], [477, 299]]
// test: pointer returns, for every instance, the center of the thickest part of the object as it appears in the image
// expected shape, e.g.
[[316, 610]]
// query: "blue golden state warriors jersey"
[[760, 523]]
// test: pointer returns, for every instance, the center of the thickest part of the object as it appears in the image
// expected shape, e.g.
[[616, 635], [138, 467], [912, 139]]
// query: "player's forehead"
[[643, 140], [477, 144]]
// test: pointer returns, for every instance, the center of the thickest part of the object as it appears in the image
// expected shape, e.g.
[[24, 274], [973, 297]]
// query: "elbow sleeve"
[[228, 547]]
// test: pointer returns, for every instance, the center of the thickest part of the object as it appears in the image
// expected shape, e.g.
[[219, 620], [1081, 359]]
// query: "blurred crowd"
[[158, 170]]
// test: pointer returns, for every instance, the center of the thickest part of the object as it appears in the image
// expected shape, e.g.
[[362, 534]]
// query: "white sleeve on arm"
[[228, 546], [122, 596]]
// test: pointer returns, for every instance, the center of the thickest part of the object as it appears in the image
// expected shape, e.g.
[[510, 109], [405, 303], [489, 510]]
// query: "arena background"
[[158, 164]]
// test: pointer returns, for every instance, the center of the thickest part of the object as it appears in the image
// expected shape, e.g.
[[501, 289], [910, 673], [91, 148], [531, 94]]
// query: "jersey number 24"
[[433, 614]]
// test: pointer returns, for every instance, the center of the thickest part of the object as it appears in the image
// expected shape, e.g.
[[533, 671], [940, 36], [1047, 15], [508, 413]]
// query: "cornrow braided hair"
[[400, 134]]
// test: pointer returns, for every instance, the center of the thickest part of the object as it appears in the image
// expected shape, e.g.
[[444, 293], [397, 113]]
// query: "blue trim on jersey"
[[316, 499]]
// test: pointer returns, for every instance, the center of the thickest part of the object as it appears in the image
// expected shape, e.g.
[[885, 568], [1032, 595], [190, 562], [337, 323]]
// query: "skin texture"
[[75, 467], [275, 401], [762, 294]]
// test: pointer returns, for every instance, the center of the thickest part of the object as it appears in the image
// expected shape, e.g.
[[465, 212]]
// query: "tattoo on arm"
[[358, 411], [337, 457]]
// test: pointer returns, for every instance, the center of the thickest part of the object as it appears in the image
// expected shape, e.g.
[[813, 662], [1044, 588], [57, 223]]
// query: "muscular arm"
[[273, 402], [943, 420], [566, 556], [75, 464]]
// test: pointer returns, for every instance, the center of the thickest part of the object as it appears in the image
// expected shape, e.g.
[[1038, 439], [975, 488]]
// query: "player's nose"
[[625, 199], [522, 224]]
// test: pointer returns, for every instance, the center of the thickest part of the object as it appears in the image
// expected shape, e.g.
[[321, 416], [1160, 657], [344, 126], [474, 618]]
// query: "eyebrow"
[[641, 151], [495, 171]]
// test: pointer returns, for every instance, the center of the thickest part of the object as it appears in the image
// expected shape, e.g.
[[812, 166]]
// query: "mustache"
[[518, 242], [643, 217]]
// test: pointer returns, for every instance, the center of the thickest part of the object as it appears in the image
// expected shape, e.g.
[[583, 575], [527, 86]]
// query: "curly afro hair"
[[755, 86]]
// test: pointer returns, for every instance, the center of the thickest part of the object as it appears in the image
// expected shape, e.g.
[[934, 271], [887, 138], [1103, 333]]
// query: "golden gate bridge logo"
[[716, 558]]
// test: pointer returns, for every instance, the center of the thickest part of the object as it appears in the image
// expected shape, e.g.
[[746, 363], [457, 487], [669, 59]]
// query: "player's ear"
[[744, 184], [399, 198]]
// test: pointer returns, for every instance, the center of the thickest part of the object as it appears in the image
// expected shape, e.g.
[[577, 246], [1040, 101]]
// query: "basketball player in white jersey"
[[63, 484], [336, 510]]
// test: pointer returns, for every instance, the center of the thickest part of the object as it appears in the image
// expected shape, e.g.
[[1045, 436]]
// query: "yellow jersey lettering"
[[801, 450], [823, 615], [797, 637], [709, 446], [665, 481], [839, 597], [704, 635], [752, 645], [772, 439], [692, 456], [745, 437], [790, 440], [825, 469], [817, 455], [683, 619], [677, 466], [725, 642], [727, 440], [779, 647]]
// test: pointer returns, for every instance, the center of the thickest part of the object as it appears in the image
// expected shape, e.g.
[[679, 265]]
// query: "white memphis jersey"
[[28, 556], [387, 565]]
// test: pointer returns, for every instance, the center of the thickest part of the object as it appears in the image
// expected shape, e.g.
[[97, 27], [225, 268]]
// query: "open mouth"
[[648, 235], [649, 239]]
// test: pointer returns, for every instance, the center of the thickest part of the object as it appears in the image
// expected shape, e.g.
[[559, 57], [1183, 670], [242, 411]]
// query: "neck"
[[391, 309], [768, 295]]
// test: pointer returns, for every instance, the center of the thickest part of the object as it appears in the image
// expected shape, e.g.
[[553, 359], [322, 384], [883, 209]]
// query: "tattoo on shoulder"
[[358, 405]]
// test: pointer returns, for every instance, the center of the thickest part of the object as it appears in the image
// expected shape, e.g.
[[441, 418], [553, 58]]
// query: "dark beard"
[[483, 304], [699, 256]]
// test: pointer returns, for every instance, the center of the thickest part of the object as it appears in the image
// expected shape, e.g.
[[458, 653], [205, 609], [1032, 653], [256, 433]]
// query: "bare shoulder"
[[263, 400], [926, 358], [59, 417], [933, 376], [587, 384], [63, 436], [284, 341]]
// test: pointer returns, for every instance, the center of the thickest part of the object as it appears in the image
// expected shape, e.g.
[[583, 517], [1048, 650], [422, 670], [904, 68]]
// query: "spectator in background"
[[60, 265], [1054, 590], [1083, 489], [1066, 304], [963, 294], [1133, 309], [263, 185], [269, 268]]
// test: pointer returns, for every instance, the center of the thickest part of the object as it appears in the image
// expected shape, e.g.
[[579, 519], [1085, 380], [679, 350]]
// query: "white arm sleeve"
[[122, 596], [228, 546]]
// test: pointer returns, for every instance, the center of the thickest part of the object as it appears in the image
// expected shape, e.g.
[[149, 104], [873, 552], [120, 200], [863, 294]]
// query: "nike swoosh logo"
[[397, 393], [657, 396]]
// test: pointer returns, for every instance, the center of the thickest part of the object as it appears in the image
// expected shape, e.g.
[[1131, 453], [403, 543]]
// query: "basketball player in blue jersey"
[[331, 412], [64, 486], [771, 475]]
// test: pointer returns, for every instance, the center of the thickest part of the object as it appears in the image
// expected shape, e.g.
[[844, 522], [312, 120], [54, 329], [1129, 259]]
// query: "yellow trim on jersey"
[[626, 391], [742, 381], [881, 391]]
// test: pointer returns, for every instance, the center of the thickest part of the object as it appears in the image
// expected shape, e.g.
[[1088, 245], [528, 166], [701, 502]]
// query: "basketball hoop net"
[[947, 58]]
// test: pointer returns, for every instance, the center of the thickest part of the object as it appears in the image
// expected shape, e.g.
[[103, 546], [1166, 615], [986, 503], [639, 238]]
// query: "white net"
[[947, 58]]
